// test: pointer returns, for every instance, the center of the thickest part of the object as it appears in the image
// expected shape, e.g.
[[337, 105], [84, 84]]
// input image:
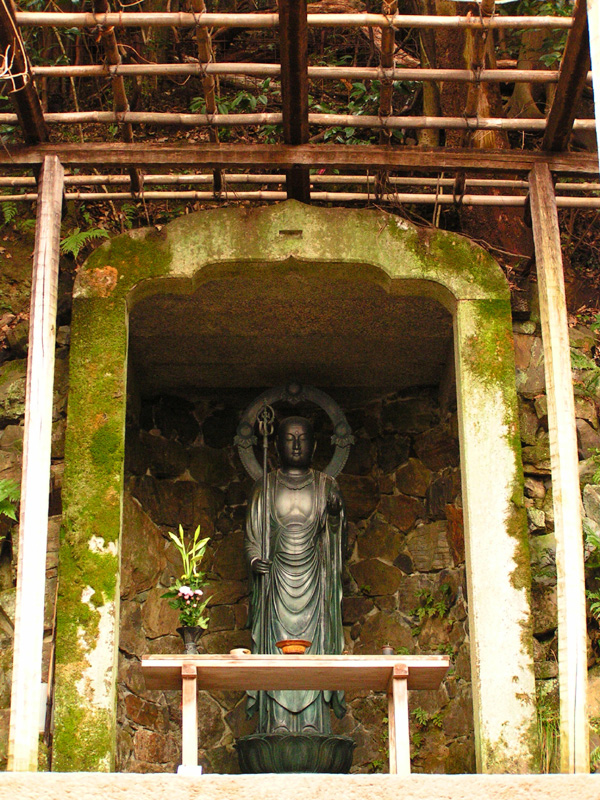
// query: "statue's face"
[[295, 443]]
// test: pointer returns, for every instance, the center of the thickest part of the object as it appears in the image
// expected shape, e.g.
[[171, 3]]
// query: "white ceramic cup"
[[240, 651]]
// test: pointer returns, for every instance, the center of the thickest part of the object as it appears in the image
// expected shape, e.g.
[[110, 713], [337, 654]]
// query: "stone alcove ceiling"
[[256, 326]]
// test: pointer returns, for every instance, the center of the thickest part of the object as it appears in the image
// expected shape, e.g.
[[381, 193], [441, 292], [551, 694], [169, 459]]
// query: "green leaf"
[[77, 239]]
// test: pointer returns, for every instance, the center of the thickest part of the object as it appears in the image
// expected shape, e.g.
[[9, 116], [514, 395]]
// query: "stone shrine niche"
[[404, 581], [195, 322]]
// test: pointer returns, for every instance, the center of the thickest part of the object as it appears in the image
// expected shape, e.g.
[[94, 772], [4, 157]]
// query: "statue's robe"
[[300, 599]]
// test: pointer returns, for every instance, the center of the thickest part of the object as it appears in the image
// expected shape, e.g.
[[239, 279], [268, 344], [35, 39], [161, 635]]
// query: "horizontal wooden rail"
[[329, 197], [275, 156], [316, 180], [186, 20], [327, 120], [315, 73]]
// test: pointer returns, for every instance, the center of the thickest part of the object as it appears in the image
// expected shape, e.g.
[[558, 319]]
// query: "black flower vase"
[[191, 635]]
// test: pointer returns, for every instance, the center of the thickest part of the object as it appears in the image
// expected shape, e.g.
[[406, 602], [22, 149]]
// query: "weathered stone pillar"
[[497, 550]]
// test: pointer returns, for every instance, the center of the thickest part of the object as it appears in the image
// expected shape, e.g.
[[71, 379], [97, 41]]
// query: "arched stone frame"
[[178, 258]]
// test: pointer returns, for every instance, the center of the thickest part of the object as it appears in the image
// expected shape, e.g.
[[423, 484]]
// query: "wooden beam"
[[572, 636], [35, 482], [189, 715], [593, 7], [23, 93], [269, 157], [293, 44], [573, 76]]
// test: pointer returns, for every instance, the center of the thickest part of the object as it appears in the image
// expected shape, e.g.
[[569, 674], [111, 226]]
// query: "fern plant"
[[10, 494], [9, 212], [76, 239]]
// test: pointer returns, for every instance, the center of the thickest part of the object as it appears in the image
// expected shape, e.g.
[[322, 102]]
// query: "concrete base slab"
[[103, 786]]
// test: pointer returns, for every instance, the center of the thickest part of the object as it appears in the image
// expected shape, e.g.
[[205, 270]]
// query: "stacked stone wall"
[[404, 580]]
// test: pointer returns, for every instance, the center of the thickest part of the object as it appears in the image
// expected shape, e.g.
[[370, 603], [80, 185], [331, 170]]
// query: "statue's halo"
[[294, 393]]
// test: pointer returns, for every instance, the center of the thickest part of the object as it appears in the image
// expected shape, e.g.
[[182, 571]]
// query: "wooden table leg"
[[399, 739], [189, 716]]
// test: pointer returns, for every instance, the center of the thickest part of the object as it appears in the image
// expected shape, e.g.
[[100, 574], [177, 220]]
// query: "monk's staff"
[[266, 416]]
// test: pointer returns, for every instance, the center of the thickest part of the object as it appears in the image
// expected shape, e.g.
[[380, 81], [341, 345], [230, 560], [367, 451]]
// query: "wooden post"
[[399, 738], [293, 43], [593, 9], [572, 654], [572, 79], [189, 716], [35, 483]]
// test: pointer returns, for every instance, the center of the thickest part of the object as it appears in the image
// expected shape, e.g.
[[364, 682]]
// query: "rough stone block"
[[442, 492], [435, 633], [154, 747], [585, 408], [410, 590], [361, 495], [594, 691], [221, 619], [171, 503], [591, 502], [360, 460], [149, 715], [413, 415], [158, 618], [12, 391], [212, 466], [528, 422], [529, 361], [534, 488], [458, 718], [456, 533], [438, 448], [355, 609], [384, 628], [401, 511], [230, 561], [536, 518], [142, 550], [587, 438], [374, 577], [131, 635], [379, 540], [428, 547], [538, 454], [392, 450], [543, 609], [413, 478]]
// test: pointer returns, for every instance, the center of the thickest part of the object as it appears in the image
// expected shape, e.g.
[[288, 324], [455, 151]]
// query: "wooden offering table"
[[394, 675]]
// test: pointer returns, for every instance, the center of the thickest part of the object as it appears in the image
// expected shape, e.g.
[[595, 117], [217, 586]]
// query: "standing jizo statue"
[[294, 547]]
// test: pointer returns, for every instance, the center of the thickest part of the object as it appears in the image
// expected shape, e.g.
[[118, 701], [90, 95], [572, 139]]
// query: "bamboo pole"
[[35, 482], [314, 73], [333, 197], [170, 178], [327, 120], [227, 20], [572, 635]]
